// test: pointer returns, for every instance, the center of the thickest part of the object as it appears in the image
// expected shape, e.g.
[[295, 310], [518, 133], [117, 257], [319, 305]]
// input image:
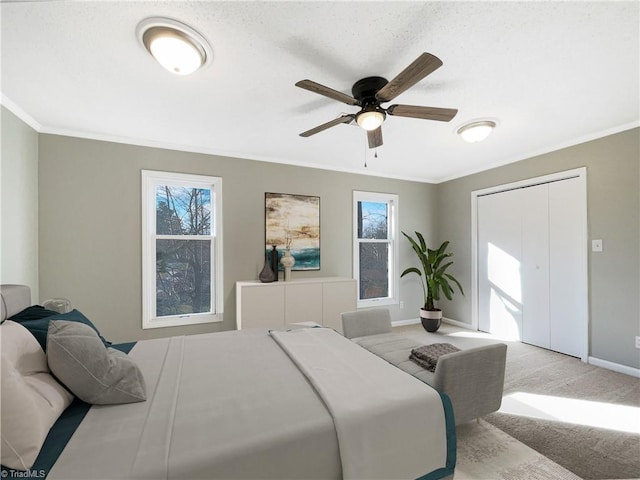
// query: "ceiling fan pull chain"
[[365, 155]]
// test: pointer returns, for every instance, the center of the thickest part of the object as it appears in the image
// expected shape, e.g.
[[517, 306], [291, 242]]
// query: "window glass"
[[374, 270], [372, 220], [182, 210], [183, 277]]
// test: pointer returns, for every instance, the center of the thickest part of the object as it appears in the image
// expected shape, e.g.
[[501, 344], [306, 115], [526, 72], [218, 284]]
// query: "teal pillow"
[[40, 327], [34, 312]]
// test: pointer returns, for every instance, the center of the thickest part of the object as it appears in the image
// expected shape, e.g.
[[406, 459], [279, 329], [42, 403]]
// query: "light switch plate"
[[596, 245]]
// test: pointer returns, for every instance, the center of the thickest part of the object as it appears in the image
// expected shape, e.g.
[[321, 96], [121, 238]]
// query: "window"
[[375, 253], [181, 249]]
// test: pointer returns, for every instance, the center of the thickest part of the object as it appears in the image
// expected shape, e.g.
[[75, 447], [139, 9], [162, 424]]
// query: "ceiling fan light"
[[175, 46], [370, 119], [476, 131]]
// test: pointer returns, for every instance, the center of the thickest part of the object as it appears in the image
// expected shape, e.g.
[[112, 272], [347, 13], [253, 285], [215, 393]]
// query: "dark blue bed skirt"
[[451, 443]]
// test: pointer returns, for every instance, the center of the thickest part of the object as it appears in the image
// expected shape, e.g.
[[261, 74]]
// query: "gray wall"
[[90, 214], [613, 204], [19, 203], [89, 244]]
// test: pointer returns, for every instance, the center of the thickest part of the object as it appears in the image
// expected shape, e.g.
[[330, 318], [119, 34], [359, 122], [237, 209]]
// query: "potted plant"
[[433, 278]]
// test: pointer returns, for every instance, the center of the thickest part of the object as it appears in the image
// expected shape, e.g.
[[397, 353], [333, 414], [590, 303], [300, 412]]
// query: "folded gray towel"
[[431, 367], [427, 355]]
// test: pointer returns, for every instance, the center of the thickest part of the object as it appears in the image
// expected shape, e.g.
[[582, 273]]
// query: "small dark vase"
[[267, 275], [274, 261]]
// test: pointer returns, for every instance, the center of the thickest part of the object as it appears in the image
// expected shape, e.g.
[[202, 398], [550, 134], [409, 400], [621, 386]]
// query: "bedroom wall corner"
[[19, 203]]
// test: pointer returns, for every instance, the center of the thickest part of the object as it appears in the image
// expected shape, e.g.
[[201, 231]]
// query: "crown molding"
[[19, 112]]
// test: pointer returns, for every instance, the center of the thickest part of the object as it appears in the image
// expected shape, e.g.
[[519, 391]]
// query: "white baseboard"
[[415, 321], [457, 323], [402, 323], [616, 367]]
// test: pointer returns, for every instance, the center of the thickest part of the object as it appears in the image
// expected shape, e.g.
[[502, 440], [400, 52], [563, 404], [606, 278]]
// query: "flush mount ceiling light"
[[176, 46], [476, 131]]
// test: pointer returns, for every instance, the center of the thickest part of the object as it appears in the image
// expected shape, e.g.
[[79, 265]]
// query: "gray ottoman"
[[473, 378]]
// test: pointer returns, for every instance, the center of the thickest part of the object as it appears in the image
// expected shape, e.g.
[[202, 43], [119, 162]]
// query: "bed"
[[300, 403]]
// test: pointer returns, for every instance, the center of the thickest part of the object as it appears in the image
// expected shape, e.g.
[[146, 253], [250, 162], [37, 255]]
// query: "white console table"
[[318, 300]]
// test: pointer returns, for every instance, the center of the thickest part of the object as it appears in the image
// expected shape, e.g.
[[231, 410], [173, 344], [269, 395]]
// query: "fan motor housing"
[[365, 89]]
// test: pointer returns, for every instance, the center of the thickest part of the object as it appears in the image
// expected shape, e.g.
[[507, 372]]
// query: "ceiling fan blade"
[[420, 68], [327, 92], [375, 137], [324, 126], [427, 113]]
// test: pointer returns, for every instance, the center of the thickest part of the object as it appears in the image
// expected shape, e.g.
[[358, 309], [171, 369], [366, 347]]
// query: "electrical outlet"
[[637, 342], [402, 306], [596, 245]]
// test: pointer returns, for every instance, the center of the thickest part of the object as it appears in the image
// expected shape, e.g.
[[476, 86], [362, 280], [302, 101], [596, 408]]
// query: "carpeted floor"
[[487, 453], [584, 418]]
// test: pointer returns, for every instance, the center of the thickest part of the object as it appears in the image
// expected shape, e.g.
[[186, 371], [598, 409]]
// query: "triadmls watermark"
[[23, 473]]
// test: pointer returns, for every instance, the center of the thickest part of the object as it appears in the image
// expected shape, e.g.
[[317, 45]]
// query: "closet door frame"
[[581, 175]]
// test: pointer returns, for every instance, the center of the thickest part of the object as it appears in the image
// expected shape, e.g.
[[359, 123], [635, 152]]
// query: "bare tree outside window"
[[373, 225], [183, 261]]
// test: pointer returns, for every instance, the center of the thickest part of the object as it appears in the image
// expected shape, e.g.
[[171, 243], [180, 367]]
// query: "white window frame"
[[150, 180], [393, 201]]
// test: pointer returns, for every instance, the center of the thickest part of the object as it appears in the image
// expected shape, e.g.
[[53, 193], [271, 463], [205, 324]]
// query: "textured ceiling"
[[552, 75]]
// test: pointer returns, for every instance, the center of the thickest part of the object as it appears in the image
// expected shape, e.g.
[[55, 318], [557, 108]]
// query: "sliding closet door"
[[531, 246], [568, 289], [535, 265], [499, 255]]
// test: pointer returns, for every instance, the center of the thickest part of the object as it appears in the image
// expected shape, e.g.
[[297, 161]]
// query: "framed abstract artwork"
[[293, 221]]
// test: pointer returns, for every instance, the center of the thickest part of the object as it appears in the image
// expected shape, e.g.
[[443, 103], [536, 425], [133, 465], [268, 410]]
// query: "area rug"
[[487, 453], [595, 447]]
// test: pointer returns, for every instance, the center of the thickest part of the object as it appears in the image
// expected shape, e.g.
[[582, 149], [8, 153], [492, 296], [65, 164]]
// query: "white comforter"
[[389, 425]]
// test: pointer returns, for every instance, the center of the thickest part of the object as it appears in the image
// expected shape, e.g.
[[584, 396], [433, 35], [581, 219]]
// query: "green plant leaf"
[[423, 244], [446, 288], [411, 270], [442, 269], [439, 258], [453, 279], [443, 247]]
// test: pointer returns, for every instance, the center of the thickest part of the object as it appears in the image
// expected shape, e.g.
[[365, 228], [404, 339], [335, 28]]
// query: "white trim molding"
[[19, 112], [458, 323], [616, 367], [416, 321], [408, 321]]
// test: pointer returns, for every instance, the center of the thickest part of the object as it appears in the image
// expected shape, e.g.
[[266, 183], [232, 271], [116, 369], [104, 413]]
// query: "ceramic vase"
[[267, 275], [274, 261], [287, 262]]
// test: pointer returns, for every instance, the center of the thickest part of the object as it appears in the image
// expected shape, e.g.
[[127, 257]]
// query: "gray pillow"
[[94, 373]]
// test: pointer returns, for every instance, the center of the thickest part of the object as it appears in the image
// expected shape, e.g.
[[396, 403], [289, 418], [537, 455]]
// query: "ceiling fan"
[[370, 92]]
